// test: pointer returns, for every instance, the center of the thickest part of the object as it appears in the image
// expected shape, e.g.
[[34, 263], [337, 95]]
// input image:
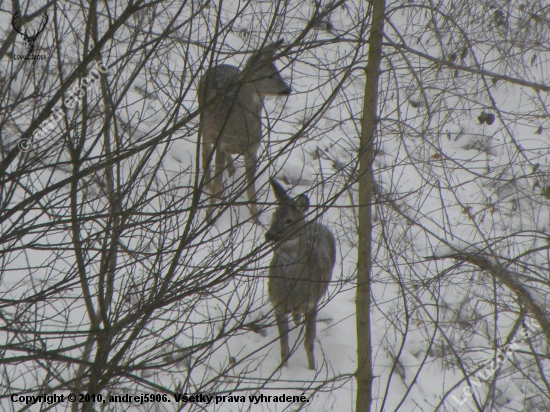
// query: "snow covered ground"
[[447, 185]]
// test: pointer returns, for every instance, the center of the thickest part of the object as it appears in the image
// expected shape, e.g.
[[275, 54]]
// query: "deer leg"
[[311, 320], [282, 325], [230, 165], [217, 181], [296, 317], [250, 164], [206, 167]]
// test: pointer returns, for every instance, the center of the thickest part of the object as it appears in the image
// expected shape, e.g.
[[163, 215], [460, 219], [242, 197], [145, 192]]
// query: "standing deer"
[[230, 104], [301, 268], [29, 39]]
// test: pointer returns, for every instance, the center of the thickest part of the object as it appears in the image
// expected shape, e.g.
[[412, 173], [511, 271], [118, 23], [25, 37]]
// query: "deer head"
[[29, 39]]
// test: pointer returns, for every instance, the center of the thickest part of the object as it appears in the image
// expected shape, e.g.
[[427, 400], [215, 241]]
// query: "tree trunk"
[[366, 156]]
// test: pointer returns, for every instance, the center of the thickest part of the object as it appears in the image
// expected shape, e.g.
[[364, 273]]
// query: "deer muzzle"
[[286, 92]]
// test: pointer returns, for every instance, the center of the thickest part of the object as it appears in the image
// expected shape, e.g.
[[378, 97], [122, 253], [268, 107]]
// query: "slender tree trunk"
[[366, 156]]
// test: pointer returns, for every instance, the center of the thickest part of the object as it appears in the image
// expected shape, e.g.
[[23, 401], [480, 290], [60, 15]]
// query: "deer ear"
[[265, 54], [270, 50], [280, 192], [302, 203], [276, 45]]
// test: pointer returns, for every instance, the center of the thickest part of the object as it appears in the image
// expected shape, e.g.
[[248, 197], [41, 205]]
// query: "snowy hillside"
[[112, 281]]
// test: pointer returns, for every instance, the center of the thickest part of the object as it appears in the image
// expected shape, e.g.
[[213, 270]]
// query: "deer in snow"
[[301, 268], [230, 104], [29, 39]]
